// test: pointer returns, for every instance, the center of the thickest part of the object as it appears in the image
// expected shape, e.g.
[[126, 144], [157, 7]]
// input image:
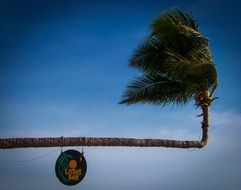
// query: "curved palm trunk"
[[205, 124], [96, 141]]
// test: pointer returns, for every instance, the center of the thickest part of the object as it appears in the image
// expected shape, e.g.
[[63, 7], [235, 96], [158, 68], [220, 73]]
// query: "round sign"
[[70, 167]]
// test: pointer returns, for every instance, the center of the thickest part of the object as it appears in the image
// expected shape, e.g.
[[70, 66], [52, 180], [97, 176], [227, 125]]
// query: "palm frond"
[[148, 55], [179, 30], [152, 58], [204, 75], [173, 17], [157, 89], [200, 54]]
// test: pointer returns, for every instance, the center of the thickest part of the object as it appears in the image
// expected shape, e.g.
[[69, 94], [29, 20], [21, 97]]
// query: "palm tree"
[[177, 67]]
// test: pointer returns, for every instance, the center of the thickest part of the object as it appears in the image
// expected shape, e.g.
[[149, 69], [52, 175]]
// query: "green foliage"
[[157, 89], [176, 62]]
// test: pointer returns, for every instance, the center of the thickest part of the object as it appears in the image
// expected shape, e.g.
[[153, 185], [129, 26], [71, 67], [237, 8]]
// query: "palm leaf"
[[152, 58], [204, 75], [157, 89], [148, 56], [177, 29]]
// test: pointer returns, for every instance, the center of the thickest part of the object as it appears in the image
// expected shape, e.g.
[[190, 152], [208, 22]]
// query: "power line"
[[30, 159]]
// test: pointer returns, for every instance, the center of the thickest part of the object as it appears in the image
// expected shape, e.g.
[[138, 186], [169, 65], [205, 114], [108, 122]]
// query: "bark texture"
[[205, 124], [95, 141], [204, 103]]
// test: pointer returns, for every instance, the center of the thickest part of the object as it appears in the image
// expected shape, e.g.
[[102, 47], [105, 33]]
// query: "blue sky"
[[63, 69]]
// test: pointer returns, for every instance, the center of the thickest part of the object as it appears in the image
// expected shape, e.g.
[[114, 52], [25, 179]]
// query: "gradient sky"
[[63, 69]]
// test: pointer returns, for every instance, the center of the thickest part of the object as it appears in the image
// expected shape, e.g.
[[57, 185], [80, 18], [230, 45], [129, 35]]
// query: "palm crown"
[[176, 63]]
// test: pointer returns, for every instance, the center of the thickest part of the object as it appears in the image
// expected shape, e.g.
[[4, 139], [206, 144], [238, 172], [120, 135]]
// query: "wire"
[[31, 159], [82, 150]]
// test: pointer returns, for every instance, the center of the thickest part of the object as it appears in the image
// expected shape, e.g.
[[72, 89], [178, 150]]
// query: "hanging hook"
[[61, 147], [82, 150]]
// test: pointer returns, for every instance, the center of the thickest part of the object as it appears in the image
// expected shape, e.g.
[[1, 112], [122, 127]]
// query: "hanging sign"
[[70, 167]]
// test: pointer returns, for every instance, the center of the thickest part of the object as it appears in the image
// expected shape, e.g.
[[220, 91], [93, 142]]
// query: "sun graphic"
[[72, 164]]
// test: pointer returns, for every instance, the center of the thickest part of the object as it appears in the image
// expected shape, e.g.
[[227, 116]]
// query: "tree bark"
[[10, 143], [205, 123], [95, 141]]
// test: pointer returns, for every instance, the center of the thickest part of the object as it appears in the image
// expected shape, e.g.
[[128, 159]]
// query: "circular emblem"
[[70, 167]]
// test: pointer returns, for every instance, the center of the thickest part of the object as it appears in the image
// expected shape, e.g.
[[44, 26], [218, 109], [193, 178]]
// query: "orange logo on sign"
[[72, 172]]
